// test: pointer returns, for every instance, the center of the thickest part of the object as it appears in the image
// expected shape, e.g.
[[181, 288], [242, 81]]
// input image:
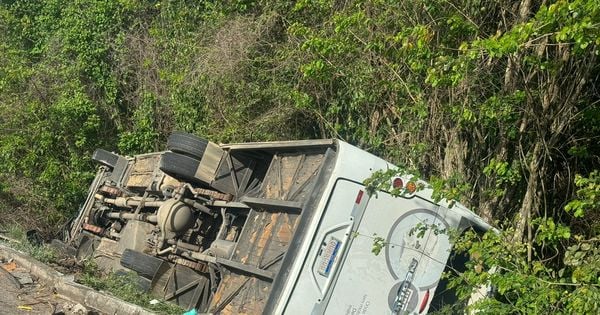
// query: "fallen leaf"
[[25, 308], [11, 266]]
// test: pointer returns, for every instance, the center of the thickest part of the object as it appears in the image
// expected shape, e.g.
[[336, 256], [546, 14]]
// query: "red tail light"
[[397, 183], [424, 302]]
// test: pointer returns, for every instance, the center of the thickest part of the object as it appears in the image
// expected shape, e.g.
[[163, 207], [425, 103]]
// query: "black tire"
[[180, 166], [105, 158], [187, 144]]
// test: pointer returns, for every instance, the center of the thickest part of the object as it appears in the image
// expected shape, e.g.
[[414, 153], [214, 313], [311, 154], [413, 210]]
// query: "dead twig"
[[9, 239]]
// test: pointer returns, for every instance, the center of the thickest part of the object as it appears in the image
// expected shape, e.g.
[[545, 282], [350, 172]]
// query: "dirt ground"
[[22, 293]]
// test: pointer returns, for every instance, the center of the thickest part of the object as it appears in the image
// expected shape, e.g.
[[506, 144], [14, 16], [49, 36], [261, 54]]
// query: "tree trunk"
[[530, 201]]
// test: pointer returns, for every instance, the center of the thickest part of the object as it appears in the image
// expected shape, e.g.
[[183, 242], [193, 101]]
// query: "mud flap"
[[145, 265]]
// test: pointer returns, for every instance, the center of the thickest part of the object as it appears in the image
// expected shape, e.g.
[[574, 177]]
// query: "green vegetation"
[[124, 286], [496, 102], [15, 237]]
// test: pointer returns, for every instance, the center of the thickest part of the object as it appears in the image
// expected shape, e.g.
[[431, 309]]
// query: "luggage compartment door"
[[414, 247]]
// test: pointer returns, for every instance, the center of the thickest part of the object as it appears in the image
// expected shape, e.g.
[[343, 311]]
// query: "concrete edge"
[[76, 292]]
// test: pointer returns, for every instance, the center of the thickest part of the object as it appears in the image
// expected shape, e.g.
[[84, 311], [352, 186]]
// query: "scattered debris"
[[72, 309], [24, 278], [25, 308], [154, 302], [50, 291], [79, 309], [6, 274], [10, 266]]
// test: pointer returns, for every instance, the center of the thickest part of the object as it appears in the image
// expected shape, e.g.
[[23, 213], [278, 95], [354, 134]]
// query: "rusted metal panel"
[[292, 176], [267, 233], [246, 294], [210, 163], [142, 171]]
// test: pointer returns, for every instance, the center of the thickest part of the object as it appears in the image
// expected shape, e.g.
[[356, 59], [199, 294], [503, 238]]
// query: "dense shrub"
[[495, 101]]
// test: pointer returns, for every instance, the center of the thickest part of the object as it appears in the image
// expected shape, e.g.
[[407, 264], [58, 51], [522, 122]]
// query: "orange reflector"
[[411, 187], [92, 228], [397, 183]]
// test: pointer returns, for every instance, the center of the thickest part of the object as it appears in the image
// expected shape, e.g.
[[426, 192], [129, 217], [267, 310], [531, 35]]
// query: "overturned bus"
[[267, 228]]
